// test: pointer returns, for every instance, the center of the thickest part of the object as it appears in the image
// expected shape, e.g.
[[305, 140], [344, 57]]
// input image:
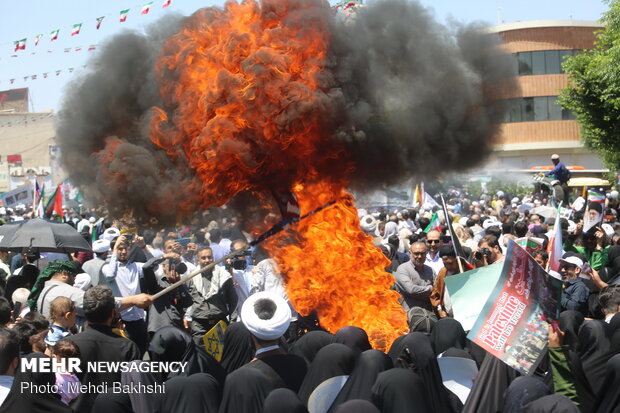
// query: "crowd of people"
[[99, 307]]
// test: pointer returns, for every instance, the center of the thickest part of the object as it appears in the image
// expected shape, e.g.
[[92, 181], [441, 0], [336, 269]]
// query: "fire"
[[245, 108]]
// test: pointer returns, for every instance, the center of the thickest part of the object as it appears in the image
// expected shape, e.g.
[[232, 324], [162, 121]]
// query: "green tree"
[[593, 93]]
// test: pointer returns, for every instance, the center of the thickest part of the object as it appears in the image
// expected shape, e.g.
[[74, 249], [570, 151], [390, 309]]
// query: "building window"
[[544, 62], [541, 108]]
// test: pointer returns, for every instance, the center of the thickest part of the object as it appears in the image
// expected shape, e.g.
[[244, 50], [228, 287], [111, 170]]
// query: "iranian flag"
[[166, 3], [124, 14], [20, 44], [76, 29], [54, 34], [92, 47], [434, 224], [554, 248], [37, 38], [147, 7]]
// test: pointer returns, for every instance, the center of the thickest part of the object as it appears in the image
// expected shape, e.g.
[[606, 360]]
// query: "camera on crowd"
[[239, 262], [484, 252], [177, 265]]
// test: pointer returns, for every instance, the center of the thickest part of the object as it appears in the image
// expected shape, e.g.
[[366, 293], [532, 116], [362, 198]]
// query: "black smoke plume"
[[406, 95]]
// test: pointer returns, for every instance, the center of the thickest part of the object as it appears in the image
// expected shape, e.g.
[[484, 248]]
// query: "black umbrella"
[[41, 236]]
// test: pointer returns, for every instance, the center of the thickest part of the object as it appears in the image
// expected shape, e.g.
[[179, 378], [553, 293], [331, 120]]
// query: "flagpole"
[[445, 212]]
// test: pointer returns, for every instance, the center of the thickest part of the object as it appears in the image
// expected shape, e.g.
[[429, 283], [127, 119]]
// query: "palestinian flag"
[[54, 34], [124, 14], [76, 29], [146, 8], [99, 21], [434, 224], [54, 204], [20, 44]]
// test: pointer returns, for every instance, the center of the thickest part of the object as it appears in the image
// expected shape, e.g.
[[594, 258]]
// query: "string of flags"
[[27, 119], [44, 75], [21, 44], [66, 50]]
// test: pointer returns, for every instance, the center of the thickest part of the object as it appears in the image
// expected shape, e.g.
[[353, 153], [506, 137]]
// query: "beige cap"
[[555, 156]]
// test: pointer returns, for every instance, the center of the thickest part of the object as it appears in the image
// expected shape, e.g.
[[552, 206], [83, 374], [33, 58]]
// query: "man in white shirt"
[[9, 359]]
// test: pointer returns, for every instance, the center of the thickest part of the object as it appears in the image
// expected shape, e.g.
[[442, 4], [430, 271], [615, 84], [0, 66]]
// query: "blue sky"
[[28, 18]]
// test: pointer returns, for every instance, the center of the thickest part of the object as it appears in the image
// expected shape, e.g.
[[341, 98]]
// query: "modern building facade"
[[536, 125]]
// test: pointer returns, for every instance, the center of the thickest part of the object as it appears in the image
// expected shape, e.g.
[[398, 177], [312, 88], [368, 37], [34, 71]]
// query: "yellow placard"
[[214, 340]]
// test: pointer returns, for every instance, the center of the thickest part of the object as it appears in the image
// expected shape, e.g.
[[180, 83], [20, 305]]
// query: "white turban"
[[267, 329]]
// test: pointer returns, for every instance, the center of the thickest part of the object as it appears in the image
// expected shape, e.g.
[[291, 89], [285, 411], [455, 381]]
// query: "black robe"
[[99, 343], [400, 391], [522, 391], [199, 392], [283, 401], [238, 348], [245, 391], [331, 361], [608, 400], [310, 343]]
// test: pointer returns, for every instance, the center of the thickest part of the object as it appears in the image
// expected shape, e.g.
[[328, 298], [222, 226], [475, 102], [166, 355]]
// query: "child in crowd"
[[64, 349], [62, 314]]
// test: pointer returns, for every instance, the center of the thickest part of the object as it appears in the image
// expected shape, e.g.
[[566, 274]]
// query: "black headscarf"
[[614, 326], [492, 380], [367, 367], [608, 400], [611, 271], [400, 391], [448, 333], [25, 279], [332, 360], [593, 350], [141, 402], [418, 350], [112, 402], [354, 337], [357, 406], [522, 391], [554, 403], [238, 348], [570, 322], [199, 392], [283, 401], [310, 343], [26, 401], [245, 391], [170, 343]]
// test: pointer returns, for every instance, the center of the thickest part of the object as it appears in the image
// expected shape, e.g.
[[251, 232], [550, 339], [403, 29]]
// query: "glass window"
[[527, 109], [540, 108], [515, 110], [563, 54], [538, 63], [568, 115], [525, 63], [552, 61], [555, 109]]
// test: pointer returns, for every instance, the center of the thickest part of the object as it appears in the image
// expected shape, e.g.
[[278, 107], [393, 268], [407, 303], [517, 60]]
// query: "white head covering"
[[369, 225], [100, 246], [110, 233], [82, 281], [266, 329]]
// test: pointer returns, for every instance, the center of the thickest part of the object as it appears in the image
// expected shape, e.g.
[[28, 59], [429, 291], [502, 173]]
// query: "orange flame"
[[245, 108]]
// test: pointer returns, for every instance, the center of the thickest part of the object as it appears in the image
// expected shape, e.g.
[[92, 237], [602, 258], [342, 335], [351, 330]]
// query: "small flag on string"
[[124, 15], [76, 29], [67, 50], [12, 81], [20, 44], [13, 55], [26, 78], [37, 38], [77, 49], [166, 3], [99, 20], [54, 34], [45, 75], [58, 72], [146, 7], [70, 70], [92, 47], [33, 77]]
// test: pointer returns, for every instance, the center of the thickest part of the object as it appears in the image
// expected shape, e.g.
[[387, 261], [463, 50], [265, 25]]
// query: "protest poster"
[[214, 340], [513, 323], [469, 292]]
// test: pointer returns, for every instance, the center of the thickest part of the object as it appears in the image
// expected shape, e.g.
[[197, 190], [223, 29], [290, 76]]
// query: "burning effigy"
[[277, 96]]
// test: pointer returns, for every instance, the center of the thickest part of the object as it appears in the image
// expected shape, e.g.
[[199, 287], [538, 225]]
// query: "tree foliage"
[[593, 93]]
